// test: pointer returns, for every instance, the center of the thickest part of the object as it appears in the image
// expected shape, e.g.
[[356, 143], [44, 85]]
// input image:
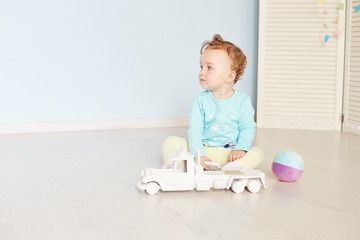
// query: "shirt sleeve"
[[196, 126], [246, 126]]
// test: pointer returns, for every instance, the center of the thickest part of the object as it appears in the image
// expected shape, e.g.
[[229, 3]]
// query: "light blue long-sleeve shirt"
[[217, 122]]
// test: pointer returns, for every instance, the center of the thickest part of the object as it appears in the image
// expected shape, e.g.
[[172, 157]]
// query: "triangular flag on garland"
[[357, 8], [326, 38], [338, 32]]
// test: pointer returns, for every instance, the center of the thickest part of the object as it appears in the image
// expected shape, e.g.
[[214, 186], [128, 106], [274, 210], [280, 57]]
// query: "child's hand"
[[202, 162], [236, 154]]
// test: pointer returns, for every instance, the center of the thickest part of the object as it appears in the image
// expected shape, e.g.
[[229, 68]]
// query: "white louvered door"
[[300, 77], [352, 67]]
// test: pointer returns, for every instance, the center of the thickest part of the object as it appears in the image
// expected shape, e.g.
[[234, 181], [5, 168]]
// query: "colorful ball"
[[288, 166]]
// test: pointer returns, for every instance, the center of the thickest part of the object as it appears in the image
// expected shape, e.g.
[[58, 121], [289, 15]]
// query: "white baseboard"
[[351, 127], [11, 128]]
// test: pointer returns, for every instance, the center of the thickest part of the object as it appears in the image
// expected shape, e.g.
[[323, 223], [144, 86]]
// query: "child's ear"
[[231, 76]]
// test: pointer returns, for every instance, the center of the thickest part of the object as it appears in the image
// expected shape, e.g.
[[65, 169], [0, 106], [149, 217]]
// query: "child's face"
[[215, 73]]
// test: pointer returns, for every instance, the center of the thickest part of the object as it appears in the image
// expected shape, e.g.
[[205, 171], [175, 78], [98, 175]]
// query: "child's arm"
[[196, 126], [246, 127]]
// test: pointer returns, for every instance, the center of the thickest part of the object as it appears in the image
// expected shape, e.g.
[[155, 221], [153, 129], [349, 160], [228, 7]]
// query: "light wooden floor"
[[82, 185]]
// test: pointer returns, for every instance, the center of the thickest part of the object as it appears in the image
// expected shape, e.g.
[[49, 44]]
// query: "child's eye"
[[201, 67], [209, 68]]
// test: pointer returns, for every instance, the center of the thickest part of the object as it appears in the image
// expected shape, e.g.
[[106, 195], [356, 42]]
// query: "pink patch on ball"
[[286, 173]]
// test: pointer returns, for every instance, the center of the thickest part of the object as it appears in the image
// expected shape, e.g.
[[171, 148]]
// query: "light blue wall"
[[74, 60]]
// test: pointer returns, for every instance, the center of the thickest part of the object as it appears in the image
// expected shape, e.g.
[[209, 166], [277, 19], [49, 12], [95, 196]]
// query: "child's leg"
[[217, 155], [252, 159], [172, 144]]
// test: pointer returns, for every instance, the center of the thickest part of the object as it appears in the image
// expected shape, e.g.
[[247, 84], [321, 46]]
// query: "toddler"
[[221, 120]]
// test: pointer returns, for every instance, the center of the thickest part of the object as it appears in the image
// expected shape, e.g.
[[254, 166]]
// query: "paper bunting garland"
[[337, 32]]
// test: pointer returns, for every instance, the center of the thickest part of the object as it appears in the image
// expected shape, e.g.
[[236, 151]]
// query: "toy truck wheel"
[[152, 188], [254, 185], [238, 186]]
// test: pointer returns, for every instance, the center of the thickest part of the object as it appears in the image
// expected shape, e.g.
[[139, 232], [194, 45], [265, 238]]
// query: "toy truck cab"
[[176, 175]]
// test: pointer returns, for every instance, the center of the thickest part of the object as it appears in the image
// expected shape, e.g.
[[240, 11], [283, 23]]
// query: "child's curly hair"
[[236, 55]]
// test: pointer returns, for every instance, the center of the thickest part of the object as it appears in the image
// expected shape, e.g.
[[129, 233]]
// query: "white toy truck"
[[182, 174]]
